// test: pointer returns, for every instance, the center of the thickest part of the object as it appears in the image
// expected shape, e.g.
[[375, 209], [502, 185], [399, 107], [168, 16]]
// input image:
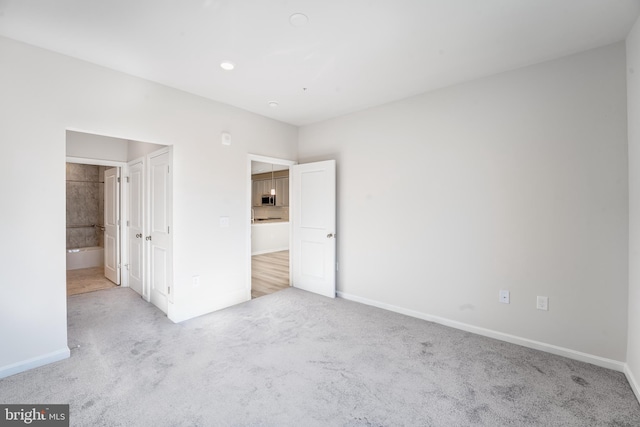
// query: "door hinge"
[[168, 229], [127, 223], [337, 266], [168, 169], [127, 180], [118, 180], [118, 222], [169, 290]]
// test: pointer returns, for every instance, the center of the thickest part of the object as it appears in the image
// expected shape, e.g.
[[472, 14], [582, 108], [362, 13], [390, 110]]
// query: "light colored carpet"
[[293, 358]]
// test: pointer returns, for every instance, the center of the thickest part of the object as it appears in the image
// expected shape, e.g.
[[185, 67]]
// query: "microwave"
[[268, 200]]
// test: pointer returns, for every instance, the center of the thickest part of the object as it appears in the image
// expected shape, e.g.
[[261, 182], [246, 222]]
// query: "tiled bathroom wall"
[[85, 205]]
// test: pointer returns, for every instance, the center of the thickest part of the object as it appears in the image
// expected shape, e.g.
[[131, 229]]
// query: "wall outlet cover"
[[542, 303], [504, 297], [226, 138]]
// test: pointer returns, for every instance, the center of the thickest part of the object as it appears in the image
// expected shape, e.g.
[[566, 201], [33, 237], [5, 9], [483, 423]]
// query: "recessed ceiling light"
[[299, 19], [227, 65], [273, 104]]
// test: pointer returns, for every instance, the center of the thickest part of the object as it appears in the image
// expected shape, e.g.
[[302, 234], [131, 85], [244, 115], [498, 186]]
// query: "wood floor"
[[87, 280], [269, 273]]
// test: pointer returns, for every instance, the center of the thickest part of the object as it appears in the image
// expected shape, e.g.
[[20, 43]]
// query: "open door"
[[313, 243], [159, 238], [112, 225]]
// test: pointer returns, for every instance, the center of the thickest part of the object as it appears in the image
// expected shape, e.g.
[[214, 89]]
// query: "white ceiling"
[[353, 54]]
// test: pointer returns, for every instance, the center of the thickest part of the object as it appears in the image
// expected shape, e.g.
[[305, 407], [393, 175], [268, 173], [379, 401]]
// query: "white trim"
[[274, 160], [222, 301], [34, 362], [95, 162], [632, 381], [525, 342]]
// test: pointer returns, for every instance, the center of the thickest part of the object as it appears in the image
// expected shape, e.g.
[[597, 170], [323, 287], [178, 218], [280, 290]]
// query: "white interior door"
[[313, 243], [112, 225], [159, 238], [136, 232]]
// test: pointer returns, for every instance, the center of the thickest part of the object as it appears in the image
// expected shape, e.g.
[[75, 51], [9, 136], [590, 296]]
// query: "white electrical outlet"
[[224, 221], [504, 297], [542, 303], [195, 281]]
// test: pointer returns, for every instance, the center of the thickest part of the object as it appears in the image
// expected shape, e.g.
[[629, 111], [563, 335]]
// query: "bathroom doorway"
[[92, 217]]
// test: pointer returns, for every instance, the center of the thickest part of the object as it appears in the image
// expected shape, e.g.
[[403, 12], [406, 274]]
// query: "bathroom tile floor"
[[87, 280]]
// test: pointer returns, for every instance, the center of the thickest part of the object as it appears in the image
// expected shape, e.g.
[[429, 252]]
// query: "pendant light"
[[273, 189]]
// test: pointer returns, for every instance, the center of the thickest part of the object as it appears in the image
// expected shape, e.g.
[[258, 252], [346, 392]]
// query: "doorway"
[[131, 242], [89, 207], [312, 221], [270, 226]]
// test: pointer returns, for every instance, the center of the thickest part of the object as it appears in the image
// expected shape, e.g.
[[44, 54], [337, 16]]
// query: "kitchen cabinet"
[[282, 192], [262, 187], [256, 198]]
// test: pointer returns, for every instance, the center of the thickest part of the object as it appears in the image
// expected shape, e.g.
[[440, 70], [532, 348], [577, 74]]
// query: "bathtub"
[[85, 257]]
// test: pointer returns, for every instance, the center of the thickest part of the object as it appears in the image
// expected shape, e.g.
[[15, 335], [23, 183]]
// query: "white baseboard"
[[525, 342], [632, 381], [217, 303], [34, 362]]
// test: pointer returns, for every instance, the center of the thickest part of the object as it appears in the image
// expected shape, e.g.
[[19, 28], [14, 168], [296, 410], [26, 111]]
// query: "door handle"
[[330, 235], [148, 238], [139, 235]]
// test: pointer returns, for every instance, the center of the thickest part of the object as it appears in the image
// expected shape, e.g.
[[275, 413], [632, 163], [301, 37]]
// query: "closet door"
[[135, 186], [159, 239]]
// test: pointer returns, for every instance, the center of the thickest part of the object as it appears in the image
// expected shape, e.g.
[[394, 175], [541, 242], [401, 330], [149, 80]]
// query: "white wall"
[[633, 114], [137, 149], [269, 237], [89, 146], [43, 94], [516, 181]]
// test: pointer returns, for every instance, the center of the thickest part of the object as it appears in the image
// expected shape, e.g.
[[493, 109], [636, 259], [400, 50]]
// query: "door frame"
[[249, 190], [124, 278]]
